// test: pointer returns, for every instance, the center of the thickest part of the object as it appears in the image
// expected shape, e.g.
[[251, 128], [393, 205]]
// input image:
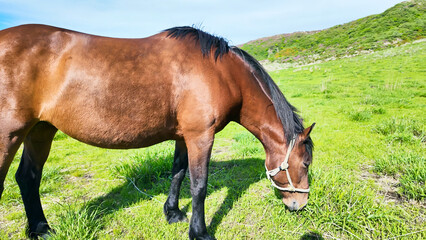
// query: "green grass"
[[402, 23], [370, 127], [86, 223], [410, 168], [402, 130]]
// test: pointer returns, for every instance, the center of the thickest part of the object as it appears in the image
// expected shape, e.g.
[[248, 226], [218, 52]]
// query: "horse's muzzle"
[[294, 205]]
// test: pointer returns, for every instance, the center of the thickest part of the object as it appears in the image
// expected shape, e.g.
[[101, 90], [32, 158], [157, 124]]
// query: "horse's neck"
[[259, 117]]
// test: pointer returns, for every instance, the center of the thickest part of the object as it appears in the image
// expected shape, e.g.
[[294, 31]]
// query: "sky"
[[237, 21]]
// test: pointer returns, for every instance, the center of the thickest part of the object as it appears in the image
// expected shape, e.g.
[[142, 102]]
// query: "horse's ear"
[[307, 131]]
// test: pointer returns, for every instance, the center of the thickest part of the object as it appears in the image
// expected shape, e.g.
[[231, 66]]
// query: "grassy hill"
[[402, 23]]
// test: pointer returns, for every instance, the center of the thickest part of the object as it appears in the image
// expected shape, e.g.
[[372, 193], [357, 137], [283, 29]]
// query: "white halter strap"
[[284, 167]]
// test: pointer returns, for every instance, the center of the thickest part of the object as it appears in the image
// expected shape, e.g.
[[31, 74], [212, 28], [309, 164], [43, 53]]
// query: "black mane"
[[207, 41], [291, 121]]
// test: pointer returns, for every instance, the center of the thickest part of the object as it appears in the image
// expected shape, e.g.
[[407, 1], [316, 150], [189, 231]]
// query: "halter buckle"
[[283, 166]]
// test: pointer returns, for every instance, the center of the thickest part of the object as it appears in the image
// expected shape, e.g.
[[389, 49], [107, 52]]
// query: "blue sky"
[[238, 21]]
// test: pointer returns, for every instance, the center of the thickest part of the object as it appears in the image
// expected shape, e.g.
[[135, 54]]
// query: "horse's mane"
[[287, 113], [207, 41], [291, 121]]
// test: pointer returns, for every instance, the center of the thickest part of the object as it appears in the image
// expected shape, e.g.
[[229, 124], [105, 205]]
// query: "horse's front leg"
[[199, 150], [180, 165]]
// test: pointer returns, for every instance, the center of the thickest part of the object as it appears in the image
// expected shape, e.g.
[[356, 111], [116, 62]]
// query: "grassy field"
[[367, 178]]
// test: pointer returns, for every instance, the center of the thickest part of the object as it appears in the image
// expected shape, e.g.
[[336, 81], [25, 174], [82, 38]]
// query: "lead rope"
[[284, 167]]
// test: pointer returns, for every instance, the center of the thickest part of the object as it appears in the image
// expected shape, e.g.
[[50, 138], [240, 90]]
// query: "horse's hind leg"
[[10, 140], [180, 165], [36, 150]]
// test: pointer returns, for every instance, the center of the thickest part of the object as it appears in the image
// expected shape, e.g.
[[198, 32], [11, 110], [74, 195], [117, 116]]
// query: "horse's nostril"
[[293, 205]]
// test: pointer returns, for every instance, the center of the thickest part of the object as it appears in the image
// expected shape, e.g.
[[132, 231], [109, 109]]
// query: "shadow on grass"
[[237, 175], [311, 236]]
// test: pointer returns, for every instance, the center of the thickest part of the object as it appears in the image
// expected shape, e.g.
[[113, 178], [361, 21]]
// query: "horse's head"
[[291, 176]]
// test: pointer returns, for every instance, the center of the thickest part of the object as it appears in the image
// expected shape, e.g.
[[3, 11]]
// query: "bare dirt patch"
[[388, 188]]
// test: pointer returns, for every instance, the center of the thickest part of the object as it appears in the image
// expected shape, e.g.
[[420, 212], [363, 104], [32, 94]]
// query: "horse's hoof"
[[205, 236], [42, 231], [174, 216], [45, 235]]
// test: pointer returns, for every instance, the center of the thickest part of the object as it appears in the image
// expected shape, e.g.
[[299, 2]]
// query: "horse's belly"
[[120, 135], [114, 125]]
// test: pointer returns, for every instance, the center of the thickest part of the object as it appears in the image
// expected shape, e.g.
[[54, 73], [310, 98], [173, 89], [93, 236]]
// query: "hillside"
[[405, 22]]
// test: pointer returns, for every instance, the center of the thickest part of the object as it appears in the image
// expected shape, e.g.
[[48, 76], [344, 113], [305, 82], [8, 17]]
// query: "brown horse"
[[181, 84]]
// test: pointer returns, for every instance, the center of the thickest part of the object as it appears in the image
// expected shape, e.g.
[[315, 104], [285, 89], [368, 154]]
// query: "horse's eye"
[[306, 164]]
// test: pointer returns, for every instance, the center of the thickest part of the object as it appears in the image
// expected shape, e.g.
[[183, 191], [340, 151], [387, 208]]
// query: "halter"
[[284, 167]]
